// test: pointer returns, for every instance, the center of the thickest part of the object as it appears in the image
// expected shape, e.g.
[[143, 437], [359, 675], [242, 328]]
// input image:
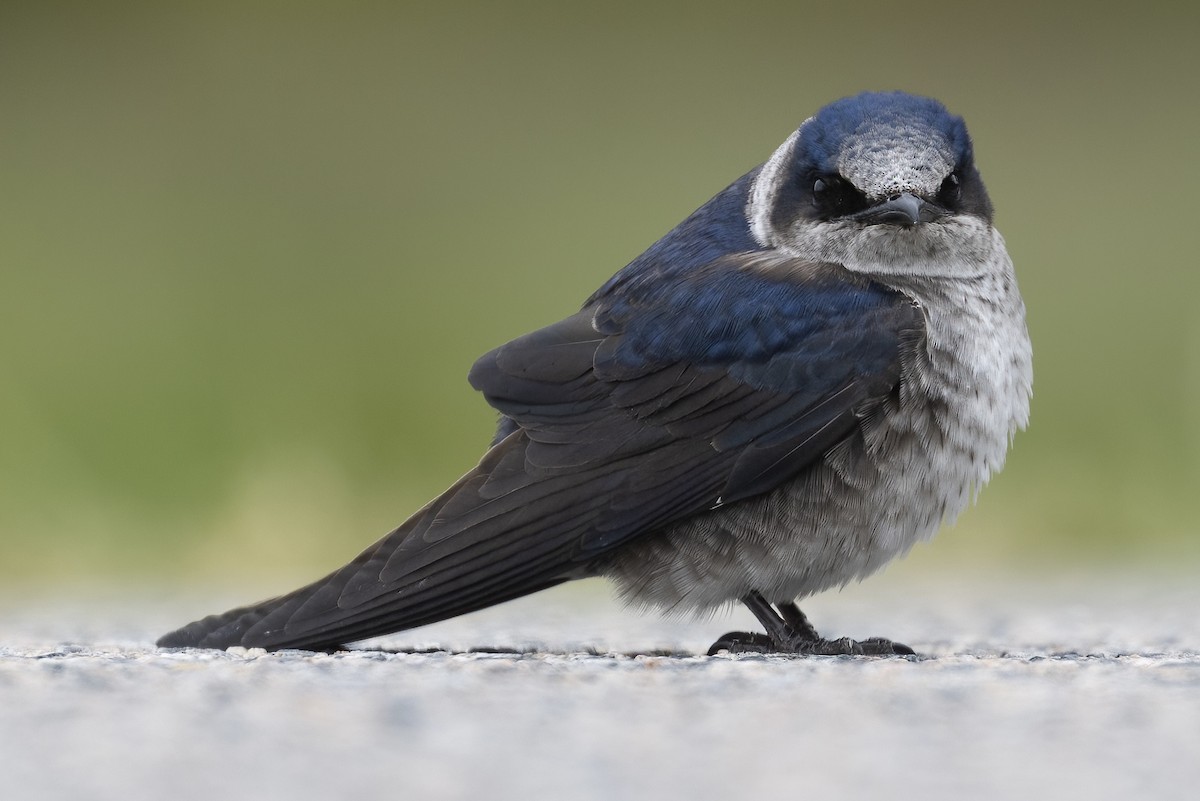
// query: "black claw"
[[742, 642], [879, 646], [875, 646]]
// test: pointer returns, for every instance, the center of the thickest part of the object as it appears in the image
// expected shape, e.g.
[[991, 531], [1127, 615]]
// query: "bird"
[[815, 370]]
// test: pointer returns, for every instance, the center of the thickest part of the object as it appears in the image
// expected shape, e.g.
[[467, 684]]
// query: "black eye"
[[951, 189], [834, 196]]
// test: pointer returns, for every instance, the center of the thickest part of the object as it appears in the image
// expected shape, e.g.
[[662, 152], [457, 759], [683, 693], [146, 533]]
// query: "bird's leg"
[[797, 621], [789, 632], [743, 642], [778, 630]]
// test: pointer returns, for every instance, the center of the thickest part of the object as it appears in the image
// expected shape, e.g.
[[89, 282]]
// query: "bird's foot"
[[789, 632], [743, 642]]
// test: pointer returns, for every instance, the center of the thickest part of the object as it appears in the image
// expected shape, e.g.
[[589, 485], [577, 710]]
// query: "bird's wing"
[[658, 401]]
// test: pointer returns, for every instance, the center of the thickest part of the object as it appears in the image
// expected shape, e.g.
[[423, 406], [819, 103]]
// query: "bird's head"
[[880, 182]]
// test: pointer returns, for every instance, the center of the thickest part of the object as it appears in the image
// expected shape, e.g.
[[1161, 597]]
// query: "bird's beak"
[[905, 209]]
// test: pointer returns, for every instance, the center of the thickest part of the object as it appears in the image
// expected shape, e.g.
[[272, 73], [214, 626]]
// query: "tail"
[[496, 535], [251, 626]]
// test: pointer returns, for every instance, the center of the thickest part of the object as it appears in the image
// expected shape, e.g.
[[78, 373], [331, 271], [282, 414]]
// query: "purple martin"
[[815, 370]]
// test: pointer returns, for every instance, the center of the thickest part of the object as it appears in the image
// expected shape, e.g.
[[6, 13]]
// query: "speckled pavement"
[[1085, 689]]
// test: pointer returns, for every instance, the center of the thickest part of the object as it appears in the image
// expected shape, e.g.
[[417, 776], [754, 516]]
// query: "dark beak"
[[904, 209]]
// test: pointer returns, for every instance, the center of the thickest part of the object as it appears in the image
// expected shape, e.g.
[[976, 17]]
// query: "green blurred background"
[[249, 250]]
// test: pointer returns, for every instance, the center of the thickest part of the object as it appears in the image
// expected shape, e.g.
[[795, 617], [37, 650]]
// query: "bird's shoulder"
[[754, 322], [750, 312]]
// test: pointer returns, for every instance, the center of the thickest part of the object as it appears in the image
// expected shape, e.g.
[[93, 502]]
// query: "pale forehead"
[[884, 158]]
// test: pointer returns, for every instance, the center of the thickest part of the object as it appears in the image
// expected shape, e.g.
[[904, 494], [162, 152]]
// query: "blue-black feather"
[[761, 326]]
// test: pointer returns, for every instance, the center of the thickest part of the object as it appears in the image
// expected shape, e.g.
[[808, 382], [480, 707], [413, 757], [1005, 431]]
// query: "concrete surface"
[[1087, 689]]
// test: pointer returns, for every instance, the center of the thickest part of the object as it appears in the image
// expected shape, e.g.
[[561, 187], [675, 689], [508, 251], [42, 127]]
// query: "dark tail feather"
[[220, 631], [237, 626], [494, 536], [305, 619]]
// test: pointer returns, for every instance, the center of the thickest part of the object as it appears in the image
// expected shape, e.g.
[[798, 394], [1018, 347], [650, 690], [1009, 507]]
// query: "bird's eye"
[[951, 189], [834, 196]]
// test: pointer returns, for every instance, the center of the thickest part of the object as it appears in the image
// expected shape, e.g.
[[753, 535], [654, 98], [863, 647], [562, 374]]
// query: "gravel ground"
[[1090, 689]]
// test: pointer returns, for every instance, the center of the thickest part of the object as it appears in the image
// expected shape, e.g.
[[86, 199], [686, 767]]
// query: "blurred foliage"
[[250, 249]]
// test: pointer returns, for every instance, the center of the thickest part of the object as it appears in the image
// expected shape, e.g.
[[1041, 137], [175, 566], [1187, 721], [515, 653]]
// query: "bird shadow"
[[500, 650]]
